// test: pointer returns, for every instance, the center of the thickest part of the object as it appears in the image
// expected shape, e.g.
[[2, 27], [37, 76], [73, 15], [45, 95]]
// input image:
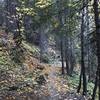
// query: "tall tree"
[[59, 6], [97, 23], [82, 73]]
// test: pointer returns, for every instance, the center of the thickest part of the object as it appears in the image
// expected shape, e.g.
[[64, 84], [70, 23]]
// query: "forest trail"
[[54, 95], [57, 87]]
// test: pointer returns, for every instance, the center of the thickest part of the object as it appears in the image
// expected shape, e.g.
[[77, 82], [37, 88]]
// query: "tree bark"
[[66, 55], [80, 81], [62, 55], [97, 23], [83, 71]]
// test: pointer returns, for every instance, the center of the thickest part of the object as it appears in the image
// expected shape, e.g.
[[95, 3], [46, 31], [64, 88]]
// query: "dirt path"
[[54, 95], [58, 87]]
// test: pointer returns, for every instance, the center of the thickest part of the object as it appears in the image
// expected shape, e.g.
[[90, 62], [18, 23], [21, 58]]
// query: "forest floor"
[[54, 87], [57, 87], [31, 80]]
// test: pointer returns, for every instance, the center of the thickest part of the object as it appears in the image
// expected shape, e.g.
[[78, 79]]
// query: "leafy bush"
[[73, 80], [90, 87]]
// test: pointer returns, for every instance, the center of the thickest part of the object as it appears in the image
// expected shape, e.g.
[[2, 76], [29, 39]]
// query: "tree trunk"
[[89, 66], [66, 55], [72, 59], [80, 81], [97, 23], [62, 55], [82, 56], [83, 72], [67, 63], [95, 88], [88, 40]]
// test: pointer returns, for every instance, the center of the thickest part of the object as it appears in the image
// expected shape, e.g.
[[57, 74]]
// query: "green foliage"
[[17, 54], [43, 11], [2, 61], [43, 3], [73, 81], [25, 11], [90, 88]]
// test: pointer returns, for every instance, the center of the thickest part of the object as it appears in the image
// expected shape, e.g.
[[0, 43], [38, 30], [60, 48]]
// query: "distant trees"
[[89, 40], [66, 25]]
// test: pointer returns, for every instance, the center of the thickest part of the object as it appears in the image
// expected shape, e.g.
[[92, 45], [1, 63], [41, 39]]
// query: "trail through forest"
[[49, 49], [57, 87], [54, 95]]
